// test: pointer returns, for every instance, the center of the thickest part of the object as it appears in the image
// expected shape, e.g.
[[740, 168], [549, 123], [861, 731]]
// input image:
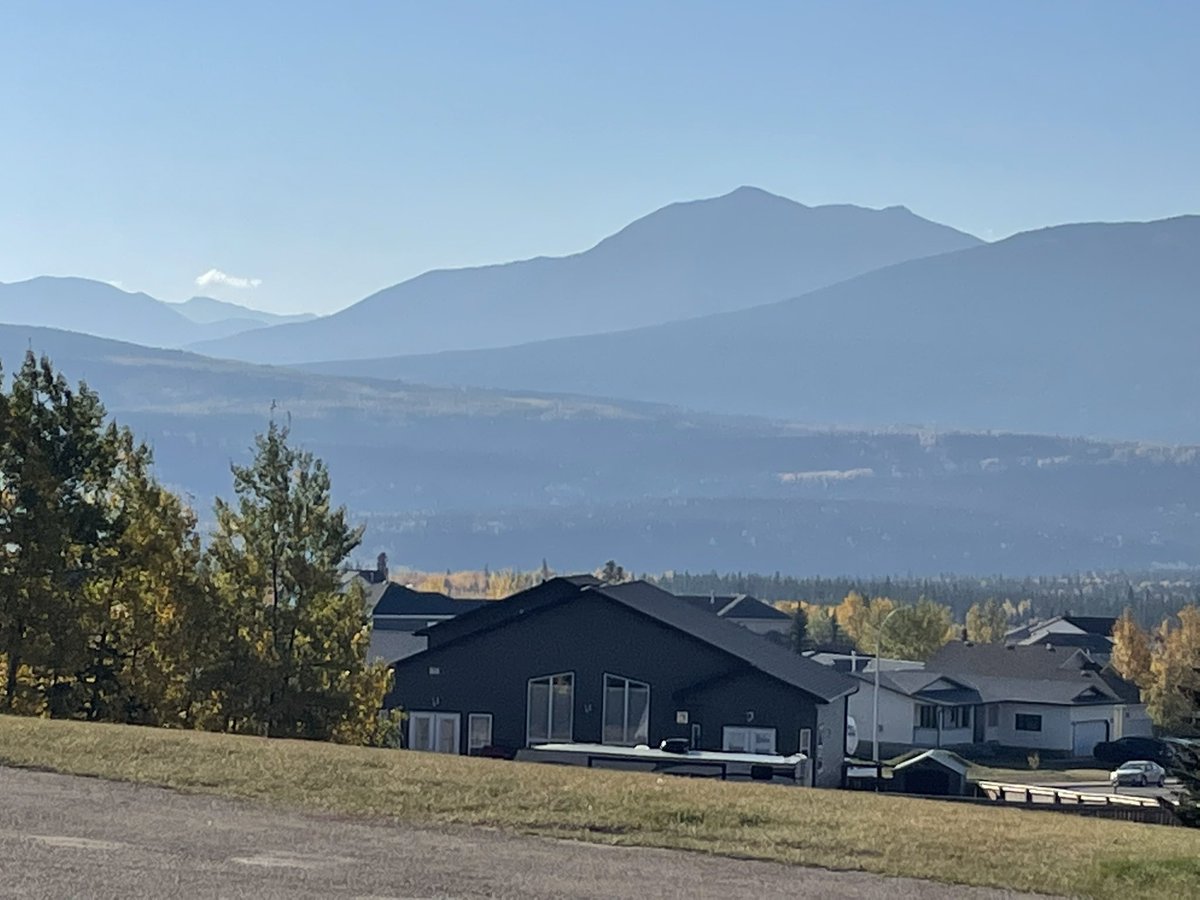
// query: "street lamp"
[[875, 716]]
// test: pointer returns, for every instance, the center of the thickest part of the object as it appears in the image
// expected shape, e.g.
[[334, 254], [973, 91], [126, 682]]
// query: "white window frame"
[[472, 749], [435, 720], [627, 740], [958, 717], [750, 739], [804, 745], [530, 740]]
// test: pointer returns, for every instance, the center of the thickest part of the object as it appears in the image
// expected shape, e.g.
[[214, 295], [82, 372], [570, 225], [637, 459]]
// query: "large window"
[[551, 709], [626, 711], [748, 740], [433, 732], [958, 717], [926, 716], [479, 732], [1027, 722]]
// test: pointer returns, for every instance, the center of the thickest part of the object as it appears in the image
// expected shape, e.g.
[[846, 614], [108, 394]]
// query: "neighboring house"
[[399, 612], [1035, 697], [365, 580], [1090, 633], [853, 661], [917, 708], [744, 610], [573, 660]]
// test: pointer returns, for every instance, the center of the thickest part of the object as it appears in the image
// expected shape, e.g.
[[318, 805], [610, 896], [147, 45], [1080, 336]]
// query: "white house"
[[1035, 697]]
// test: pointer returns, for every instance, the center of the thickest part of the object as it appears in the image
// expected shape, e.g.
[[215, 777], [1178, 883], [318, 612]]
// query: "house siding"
[[590, 636], [896, 720]]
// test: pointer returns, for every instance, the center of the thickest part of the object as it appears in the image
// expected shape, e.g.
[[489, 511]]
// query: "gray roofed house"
[[747, 611], [575, 660], [399, 614], [1091, 633], [1037, 696]]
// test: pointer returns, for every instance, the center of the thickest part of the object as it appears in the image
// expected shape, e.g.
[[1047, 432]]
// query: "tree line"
[[113, 608], [1151, 597]]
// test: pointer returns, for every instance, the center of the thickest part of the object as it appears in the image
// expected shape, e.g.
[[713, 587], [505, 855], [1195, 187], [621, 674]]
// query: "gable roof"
[[735, 606], [929, 687], [1094, 625], [1097, 625], [944, 758], [492, 613], [752, 649], [1040, 661], [1093, 643], [398, 600], [1031, 673]]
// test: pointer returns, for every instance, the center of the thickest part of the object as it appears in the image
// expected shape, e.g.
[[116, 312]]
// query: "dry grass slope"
[[1008, 848]]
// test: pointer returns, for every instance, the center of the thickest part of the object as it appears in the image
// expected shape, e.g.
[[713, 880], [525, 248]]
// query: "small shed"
[[939, 773]]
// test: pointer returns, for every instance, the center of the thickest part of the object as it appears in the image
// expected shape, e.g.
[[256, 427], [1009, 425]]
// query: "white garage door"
[[1086, 735]]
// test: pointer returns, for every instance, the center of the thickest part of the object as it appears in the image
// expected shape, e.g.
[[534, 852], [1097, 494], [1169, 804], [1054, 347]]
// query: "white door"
[[433, 732], [1086, 735]]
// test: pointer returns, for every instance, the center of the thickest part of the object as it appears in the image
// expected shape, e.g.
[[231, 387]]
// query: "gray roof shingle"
[[783, 665]]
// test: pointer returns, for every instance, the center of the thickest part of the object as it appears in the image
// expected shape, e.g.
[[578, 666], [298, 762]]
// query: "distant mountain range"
[[920, 362], [207, 311], [685, 260], [458, 477], [1080, 329], [100, 309]]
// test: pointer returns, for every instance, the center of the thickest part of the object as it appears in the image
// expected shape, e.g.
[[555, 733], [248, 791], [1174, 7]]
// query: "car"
[[1131, 748], [1138, 772]]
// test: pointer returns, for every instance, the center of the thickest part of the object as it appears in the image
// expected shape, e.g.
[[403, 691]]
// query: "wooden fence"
[[1154, 810]]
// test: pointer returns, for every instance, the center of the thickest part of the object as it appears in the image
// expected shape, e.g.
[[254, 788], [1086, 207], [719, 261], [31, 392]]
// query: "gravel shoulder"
[[66, 836]]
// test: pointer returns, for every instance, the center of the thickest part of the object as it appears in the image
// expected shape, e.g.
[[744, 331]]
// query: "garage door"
[[1086, 735]]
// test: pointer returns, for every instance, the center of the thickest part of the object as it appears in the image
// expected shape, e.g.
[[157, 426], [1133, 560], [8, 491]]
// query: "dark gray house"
[[573, 660], [398, 613]]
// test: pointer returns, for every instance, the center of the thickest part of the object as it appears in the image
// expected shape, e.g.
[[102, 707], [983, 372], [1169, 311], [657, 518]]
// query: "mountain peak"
[[681, 261]]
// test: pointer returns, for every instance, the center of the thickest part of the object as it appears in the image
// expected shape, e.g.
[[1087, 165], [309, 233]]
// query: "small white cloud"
[[217, 277]]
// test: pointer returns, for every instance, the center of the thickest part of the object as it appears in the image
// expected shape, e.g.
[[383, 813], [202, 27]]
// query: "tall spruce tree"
[[58, 465], [294, 660]]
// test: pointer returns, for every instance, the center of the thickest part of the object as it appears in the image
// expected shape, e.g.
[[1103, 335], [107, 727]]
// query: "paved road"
[[62, 836]]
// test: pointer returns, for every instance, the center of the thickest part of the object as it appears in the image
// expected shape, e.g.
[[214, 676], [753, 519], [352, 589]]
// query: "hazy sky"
[[313, 153]]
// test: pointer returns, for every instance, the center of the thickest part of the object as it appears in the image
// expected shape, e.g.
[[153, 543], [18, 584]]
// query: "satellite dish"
[[851, 736]]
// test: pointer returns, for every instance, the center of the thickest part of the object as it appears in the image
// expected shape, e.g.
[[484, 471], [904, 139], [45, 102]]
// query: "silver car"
[[1139, 772]]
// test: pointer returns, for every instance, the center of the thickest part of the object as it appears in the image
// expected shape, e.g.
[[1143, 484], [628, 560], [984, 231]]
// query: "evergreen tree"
[[798, 631], [58, 463], [295, 646]]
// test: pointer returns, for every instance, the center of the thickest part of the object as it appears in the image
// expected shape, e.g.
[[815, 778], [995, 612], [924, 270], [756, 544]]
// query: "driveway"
[[64, 836]]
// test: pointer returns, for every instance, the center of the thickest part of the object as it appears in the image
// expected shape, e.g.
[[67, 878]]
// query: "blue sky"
[[327, 150]]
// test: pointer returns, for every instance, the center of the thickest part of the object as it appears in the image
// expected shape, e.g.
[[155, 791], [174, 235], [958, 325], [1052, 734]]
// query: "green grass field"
[[958, 843]]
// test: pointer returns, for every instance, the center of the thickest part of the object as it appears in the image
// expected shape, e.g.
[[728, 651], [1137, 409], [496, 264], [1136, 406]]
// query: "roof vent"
[[1050, 647], [1010, 646]]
